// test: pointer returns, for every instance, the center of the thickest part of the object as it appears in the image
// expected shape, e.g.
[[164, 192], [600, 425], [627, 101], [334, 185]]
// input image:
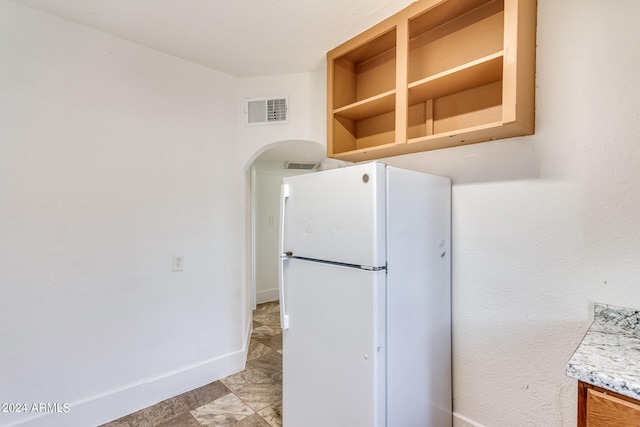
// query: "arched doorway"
[[268, 167]]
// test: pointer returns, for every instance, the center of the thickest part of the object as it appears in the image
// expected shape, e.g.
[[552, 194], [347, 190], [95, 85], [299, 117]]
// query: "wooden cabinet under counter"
[[606, 364], [598, 407], [439, 73]]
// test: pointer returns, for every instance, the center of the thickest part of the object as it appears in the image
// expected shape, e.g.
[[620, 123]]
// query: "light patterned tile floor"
[[250, 398]]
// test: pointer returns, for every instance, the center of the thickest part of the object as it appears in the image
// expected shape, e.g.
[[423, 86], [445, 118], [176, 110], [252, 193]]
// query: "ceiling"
[[242, 38]]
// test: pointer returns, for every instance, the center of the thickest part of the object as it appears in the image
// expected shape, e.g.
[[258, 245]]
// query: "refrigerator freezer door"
[[337, 215], [334, 349]]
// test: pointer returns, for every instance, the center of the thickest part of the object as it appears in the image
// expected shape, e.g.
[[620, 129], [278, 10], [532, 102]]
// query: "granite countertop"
[[609, 354]]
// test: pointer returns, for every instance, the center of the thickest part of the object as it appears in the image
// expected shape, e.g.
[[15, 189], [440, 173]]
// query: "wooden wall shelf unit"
[[440, 73]]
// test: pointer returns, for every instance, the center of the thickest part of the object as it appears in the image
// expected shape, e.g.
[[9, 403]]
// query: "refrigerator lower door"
[[334, 349]]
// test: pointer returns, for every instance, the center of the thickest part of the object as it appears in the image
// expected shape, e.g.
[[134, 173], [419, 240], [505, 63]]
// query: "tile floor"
[[250, 398]]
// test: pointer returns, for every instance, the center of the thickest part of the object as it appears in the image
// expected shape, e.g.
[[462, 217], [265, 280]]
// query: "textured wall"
[[113, 158], [544, 226]]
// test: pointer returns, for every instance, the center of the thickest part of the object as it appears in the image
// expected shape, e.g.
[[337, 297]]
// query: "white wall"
[[544, 226], [307, 112], [113, 158], [267, 226], [267, 215]]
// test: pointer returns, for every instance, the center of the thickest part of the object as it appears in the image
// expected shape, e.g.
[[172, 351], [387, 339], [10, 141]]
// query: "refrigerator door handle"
[[284, 195], [284, 318]]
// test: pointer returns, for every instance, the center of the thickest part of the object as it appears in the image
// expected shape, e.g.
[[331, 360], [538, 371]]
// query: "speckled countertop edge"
[[609, 354]]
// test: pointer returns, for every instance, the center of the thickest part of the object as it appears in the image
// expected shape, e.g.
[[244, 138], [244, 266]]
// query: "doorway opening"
[[278, 160]]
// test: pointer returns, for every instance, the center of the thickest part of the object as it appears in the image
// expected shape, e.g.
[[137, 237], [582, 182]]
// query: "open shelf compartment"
[[456, 112], [367, 132], [455, 67], [455, 33], [366, 71], [363, 109]]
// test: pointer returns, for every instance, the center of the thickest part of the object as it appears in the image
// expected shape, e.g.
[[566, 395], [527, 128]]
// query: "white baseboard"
[[113, 405], [267, 296], [462, 421]]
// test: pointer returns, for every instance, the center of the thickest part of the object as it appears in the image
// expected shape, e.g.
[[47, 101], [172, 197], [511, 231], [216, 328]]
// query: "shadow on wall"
[[503, 160]]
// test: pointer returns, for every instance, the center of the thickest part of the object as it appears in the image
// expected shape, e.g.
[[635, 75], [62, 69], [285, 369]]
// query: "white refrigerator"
[[365, 298]]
